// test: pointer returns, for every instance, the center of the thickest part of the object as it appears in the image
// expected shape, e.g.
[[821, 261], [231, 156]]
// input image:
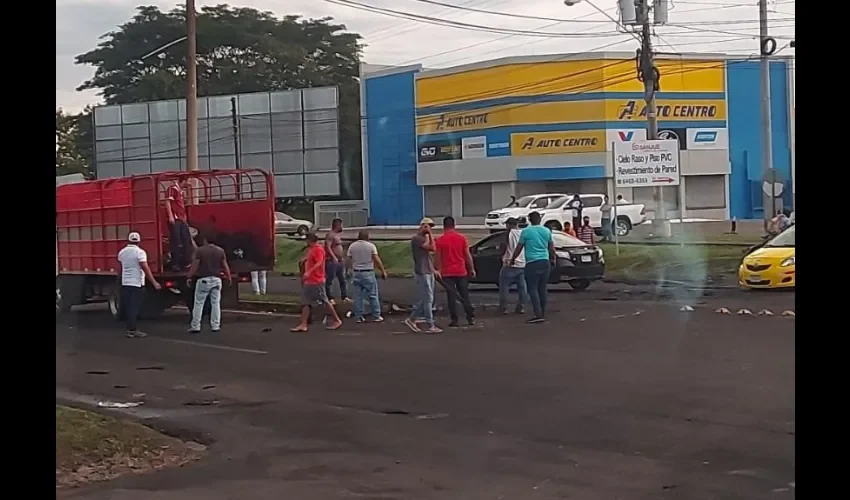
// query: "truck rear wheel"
[[624, 226], [113, 302]]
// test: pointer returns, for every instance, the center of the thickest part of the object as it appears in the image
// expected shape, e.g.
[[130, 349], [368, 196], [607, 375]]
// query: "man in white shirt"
[[134, 270], [362, 260], [512, 274]]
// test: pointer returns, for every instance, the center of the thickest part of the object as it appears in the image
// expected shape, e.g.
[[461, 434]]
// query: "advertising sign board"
[[646, 163]]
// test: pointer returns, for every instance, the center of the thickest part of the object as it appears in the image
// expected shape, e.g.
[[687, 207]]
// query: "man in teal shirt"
[[539, 248]]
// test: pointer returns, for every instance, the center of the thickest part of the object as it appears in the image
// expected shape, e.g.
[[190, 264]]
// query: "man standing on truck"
[[576, 207], [179, 236], [209, 264], [134, 270], [335, 267], [313, 286]]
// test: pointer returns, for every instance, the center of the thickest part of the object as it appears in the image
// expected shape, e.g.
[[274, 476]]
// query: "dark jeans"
[[335, 270], [607, 228], [457, 289], [537, 281], [180, 241], [131, 305], [576, 223]]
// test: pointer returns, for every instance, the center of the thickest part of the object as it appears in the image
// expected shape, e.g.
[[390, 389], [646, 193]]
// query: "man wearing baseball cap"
[[421, 247], [134, 270]]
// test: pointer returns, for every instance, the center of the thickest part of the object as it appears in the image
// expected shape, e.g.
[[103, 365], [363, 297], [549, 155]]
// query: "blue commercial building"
[[452, 141]]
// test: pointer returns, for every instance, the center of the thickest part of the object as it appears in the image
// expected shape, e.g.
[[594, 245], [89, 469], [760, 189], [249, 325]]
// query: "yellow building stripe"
[[568, 112], [564, 77]]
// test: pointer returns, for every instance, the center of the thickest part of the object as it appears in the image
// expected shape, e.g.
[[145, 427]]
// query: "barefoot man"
[[313, 287]]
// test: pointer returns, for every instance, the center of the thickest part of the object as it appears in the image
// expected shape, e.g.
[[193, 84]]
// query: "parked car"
[[772, 264], [495, 220], [578, 263], [555, 212], [285, 224]]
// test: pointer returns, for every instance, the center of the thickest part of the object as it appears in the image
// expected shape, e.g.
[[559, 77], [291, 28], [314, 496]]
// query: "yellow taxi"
[[772, 265]]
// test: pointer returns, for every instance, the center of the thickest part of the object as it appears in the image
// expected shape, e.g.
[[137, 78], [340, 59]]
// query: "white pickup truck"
[[553, 208]]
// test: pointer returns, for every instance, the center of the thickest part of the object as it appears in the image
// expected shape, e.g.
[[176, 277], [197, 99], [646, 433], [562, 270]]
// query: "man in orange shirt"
[[313, 286], [454, 266]]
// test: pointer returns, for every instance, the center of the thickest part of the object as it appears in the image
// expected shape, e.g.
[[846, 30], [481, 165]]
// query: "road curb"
[[140, 415]]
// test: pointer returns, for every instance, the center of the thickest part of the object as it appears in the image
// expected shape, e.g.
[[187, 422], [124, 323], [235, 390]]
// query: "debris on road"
[[744, 312], [686, 308], [789, 313], [113, 404], [97, 372], [208, 387], [723, 310], [433, 416], [148, 368], [765, 312], [201, 402]]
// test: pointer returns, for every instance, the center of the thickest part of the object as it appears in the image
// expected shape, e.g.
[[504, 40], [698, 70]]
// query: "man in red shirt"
[[179, 236], [453, 267], [313, 286]]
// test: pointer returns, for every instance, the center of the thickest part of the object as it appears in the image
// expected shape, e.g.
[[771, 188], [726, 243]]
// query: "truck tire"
[[113, 302], [554, 225], [155, 303], [624, 226], [579, 285]]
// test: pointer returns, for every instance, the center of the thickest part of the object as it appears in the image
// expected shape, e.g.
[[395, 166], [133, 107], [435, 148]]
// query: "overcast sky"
[[729, 26]]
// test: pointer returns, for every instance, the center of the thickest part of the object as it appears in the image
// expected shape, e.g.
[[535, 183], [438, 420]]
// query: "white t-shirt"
[[362, 252], [131, 258], [513, 241]]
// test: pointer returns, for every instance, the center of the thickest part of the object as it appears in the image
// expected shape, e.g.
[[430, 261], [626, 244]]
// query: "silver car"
[[285, 224]]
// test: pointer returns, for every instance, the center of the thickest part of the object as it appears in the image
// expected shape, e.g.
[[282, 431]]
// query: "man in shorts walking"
[[313, 287]]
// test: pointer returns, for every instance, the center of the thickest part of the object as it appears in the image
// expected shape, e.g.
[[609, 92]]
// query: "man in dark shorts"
[[209, 264], [313, 286], [179, 236]]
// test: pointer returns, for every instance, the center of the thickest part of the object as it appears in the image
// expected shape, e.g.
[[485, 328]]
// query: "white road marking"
[[211, 346]]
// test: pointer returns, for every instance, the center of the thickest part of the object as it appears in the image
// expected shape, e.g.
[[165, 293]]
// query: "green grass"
[[688, 262], [91, 447], [394, 254], [634, 260]]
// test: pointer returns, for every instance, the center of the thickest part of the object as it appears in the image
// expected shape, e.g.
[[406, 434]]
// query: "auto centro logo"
[[705, 137], [446, 122], [632, 109]]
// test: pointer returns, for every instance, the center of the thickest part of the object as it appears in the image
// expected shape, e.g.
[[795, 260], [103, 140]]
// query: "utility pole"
[[768, 200], [650, 76], [191, 89], [234, 118]]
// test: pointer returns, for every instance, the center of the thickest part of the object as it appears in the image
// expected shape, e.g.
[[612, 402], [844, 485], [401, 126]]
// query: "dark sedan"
[[577, 262]]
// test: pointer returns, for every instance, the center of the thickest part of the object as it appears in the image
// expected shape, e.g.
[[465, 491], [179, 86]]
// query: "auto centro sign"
[[646, 163]]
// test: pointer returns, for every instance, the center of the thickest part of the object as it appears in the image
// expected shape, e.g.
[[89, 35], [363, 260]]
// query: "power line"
[[462, 25]]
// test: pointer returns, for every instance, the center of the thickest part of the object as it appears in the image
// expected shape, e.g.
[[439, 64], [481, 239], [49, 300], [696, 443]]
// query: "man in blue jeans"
[[334, 265], [512, 274], [421, 247], [536, 241], [362, 260]]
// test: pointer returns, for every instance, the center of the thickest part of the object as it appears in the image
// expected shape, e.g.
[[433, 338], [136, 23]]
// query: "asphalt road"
[[620, 396]]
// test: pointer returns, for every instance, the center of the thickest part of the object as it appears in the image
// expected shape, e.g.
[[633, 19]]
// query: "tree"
[[74, 153], [240, 50]]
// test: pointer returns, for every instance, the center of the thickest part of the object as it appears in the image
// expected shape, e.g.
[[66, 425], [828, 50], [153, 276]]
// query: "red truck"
[[235, 208]]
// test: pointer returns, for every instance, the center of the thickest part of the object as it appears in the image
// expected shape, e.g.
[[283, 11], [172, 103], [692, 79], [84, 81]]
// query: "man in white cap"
[[134, 270], [421, 247]]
